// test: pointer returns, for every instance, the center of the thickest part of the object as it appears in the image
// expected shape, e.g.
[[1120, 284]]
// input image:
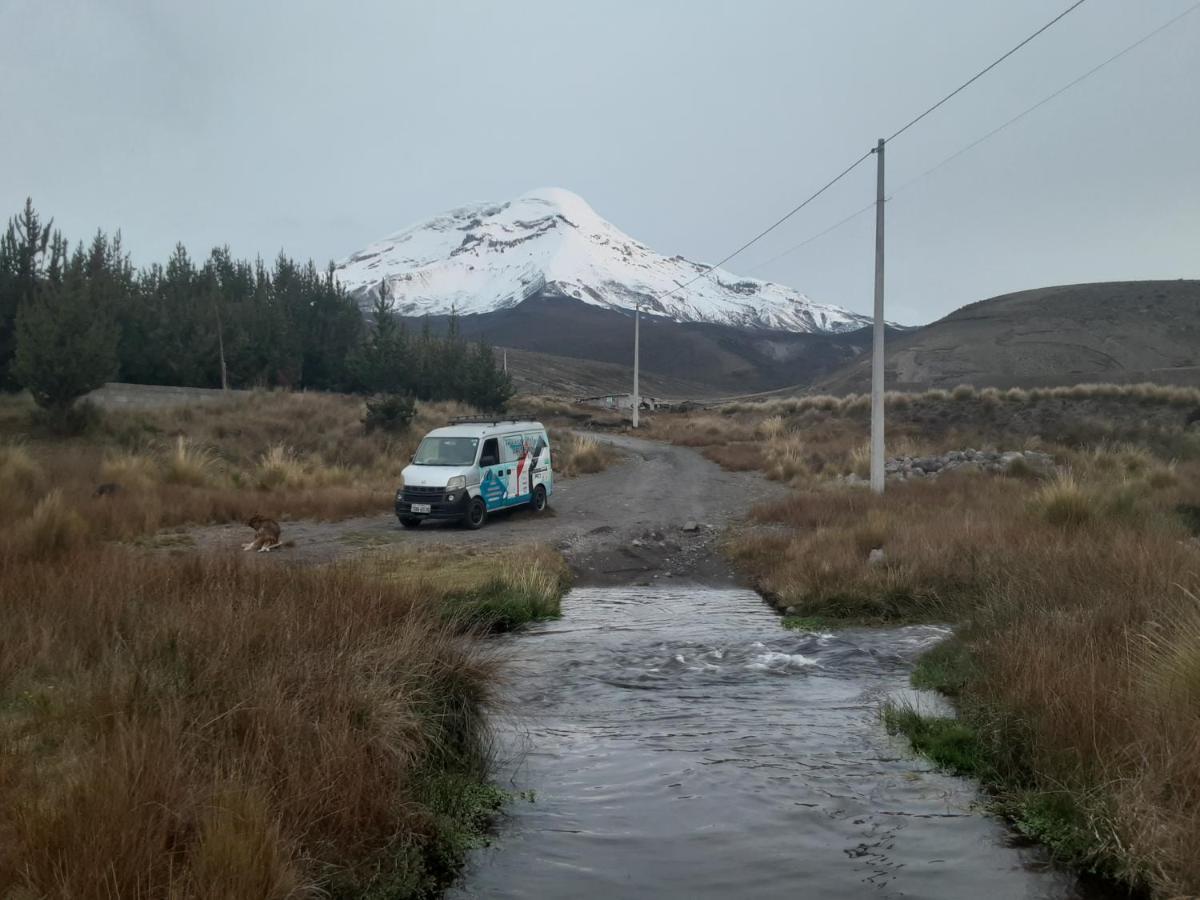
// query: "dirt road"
[[656, 514]]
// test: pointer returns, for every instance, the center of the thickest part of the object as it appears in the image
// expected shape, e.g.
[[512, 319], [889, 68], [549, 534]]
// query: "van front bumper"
[[442, 504]]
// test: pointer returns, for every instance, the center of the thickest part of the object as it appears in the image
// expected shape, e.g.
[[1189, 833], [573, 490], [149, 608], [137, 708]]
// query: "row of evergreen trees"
[[71, 319]]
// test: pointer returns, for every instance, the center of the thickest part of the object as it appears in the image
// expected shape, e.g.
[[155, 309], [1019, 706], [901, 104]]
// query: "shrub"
[[53, 529], [392, 413], [188, 464], [279, 467], [578, 454], [132, 471], [772, 427], [71, 419], [1063, 502], [21, 478]]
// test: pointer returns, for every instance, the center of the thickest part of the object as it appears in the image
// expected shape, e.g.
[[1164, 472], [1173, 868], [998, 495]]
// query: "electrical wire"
[[1062, 90], [1074, 6], [850, 168], [971, 146], [811, 197]]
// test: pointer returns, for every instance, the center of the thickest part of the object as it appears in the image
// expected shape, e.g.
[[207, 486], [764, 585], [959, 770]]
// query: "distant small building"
[[623, 401]]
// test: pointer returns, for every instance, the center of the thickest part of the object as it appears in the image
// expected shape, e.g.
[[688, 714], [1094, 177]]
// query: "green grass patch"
[[500, 606], [1057, 820], [950, 743], [485, 590], [948, 668], [462, 807]]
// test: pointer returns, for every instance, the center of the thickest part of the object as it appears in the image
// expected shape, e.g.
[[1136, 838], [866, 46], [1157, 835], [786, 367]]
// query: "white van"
[[475, 466]]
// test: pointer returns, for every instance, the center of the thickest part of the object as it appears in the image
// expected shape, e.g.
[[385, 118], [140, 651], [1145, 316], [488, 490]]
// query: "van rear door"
[[493, 484], [539, 460], [515, 455]]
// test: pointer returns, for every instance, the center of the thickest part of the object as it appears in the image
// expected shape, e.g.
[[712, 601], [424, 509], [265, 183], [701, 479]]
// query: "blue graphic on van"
[[493, 489]]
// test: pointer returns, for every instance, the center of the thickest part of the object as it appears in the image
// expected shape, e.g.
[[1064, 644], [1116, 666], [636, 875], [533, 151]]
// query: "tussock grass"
[[201, 727], [1076, 662], [480, 590], [1077, 668], [21, 478], [1063, 502], [580, 454], [1170, 662], [196, 726], [52, 529], [189, 464], [273, 453], [1146, 394]]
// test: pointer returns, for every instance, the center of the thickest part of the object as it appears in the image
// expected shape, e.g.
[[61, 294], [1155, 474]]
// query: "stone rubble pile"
[[903, 468]]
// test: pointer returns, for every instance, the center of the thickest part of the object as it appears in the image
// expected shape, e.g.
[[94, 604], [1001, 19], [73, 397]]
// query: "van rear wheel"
[[476, 514], [539, 499]]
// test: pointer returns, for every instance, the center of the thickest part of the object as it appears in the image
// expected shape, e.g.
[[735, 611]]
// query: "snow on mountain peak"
[[549, 241]]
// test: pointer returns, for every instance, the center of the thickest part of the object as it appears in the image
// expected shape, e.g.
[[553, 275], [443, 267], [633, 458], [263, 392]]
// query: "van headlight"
[[458, 482]]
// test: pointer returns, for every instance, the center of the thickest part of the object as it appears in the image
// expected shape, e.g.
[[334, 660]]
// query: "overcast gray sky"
[[319, 127]]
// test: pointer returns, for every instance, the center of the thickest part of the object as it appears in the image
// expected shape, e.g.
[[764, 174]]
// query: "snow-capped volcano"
[[492, 256]]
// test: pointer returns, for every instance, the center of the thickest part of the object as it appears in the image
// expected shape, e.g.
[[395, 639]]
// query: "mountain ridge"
[[549, 242], [1117, 331]]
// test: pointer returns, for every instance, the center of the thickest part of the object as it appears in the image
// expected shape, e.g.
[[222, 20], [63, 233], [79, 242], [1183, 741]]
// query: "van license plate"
[[422, 508]]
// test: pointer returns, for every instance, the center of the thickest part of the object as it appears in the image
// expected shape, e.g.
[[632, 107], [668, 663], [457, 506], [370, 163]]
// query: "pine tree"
[[487, 388], [66, 347], [23, 264], [382, 364]]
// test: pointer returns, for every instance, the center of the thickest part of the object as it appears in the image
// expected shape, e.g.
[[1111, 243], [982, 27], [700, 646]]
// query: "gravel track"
[[625, 525]]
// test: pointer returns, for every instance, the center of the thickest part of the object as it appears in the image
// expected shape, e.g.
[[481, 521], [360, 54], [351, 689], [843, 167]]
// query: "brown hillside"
[[1119, 331]]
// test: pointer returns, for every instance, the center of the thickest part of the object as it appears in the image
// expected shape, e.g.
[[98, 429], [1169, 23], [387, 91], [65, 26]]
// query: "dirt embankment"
[[656, 514]]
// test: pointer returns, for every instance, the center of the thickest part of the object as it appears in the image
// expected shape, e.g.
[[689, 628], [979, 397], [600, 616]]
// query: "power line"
[[1062, 90], [986, 69], [846, 171], [820, 234], [971, 146]]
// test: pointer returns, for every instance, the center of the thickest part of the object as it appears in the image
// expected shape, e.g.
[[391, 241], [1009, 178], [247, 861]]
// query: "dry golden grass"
[[1146, 394], [199, 727], [280, 454], [579, 454], [1075, 597], [479, 587], [193, 726], [1077, 600]]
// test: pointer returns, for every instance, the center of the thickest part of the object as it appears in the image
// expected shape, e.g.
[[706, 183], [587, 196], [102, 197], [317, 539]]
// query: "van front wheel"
[[539, 499], [476, 513]]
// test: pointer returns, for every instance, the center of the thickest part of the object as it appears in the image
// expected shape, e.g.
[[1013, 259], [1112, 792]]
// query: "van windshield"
[[446, 451]]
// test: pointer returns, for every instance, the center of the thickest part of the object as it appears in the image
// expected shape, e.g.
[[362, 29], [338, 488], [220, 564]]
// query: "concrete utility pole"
[[637, 327], [877, 473]]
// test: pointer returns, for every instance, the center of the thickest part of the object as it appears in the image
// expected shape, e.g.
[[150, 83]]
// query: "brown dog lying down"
[[266, 535]]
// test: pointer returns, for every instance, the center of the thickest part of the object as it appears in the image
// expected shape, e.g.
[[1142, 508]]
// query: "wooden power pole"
[[877, 444], [637, 327]]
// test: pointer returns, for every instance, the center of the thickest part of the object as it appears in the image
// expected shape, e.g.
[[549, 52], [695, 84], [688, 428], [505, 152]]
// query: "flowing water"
[[677, 743]]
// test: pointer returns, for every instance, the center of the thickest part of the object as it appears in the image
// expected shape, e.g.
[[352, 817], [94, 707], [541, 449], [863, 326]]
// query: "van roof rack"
[[489, 420]]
